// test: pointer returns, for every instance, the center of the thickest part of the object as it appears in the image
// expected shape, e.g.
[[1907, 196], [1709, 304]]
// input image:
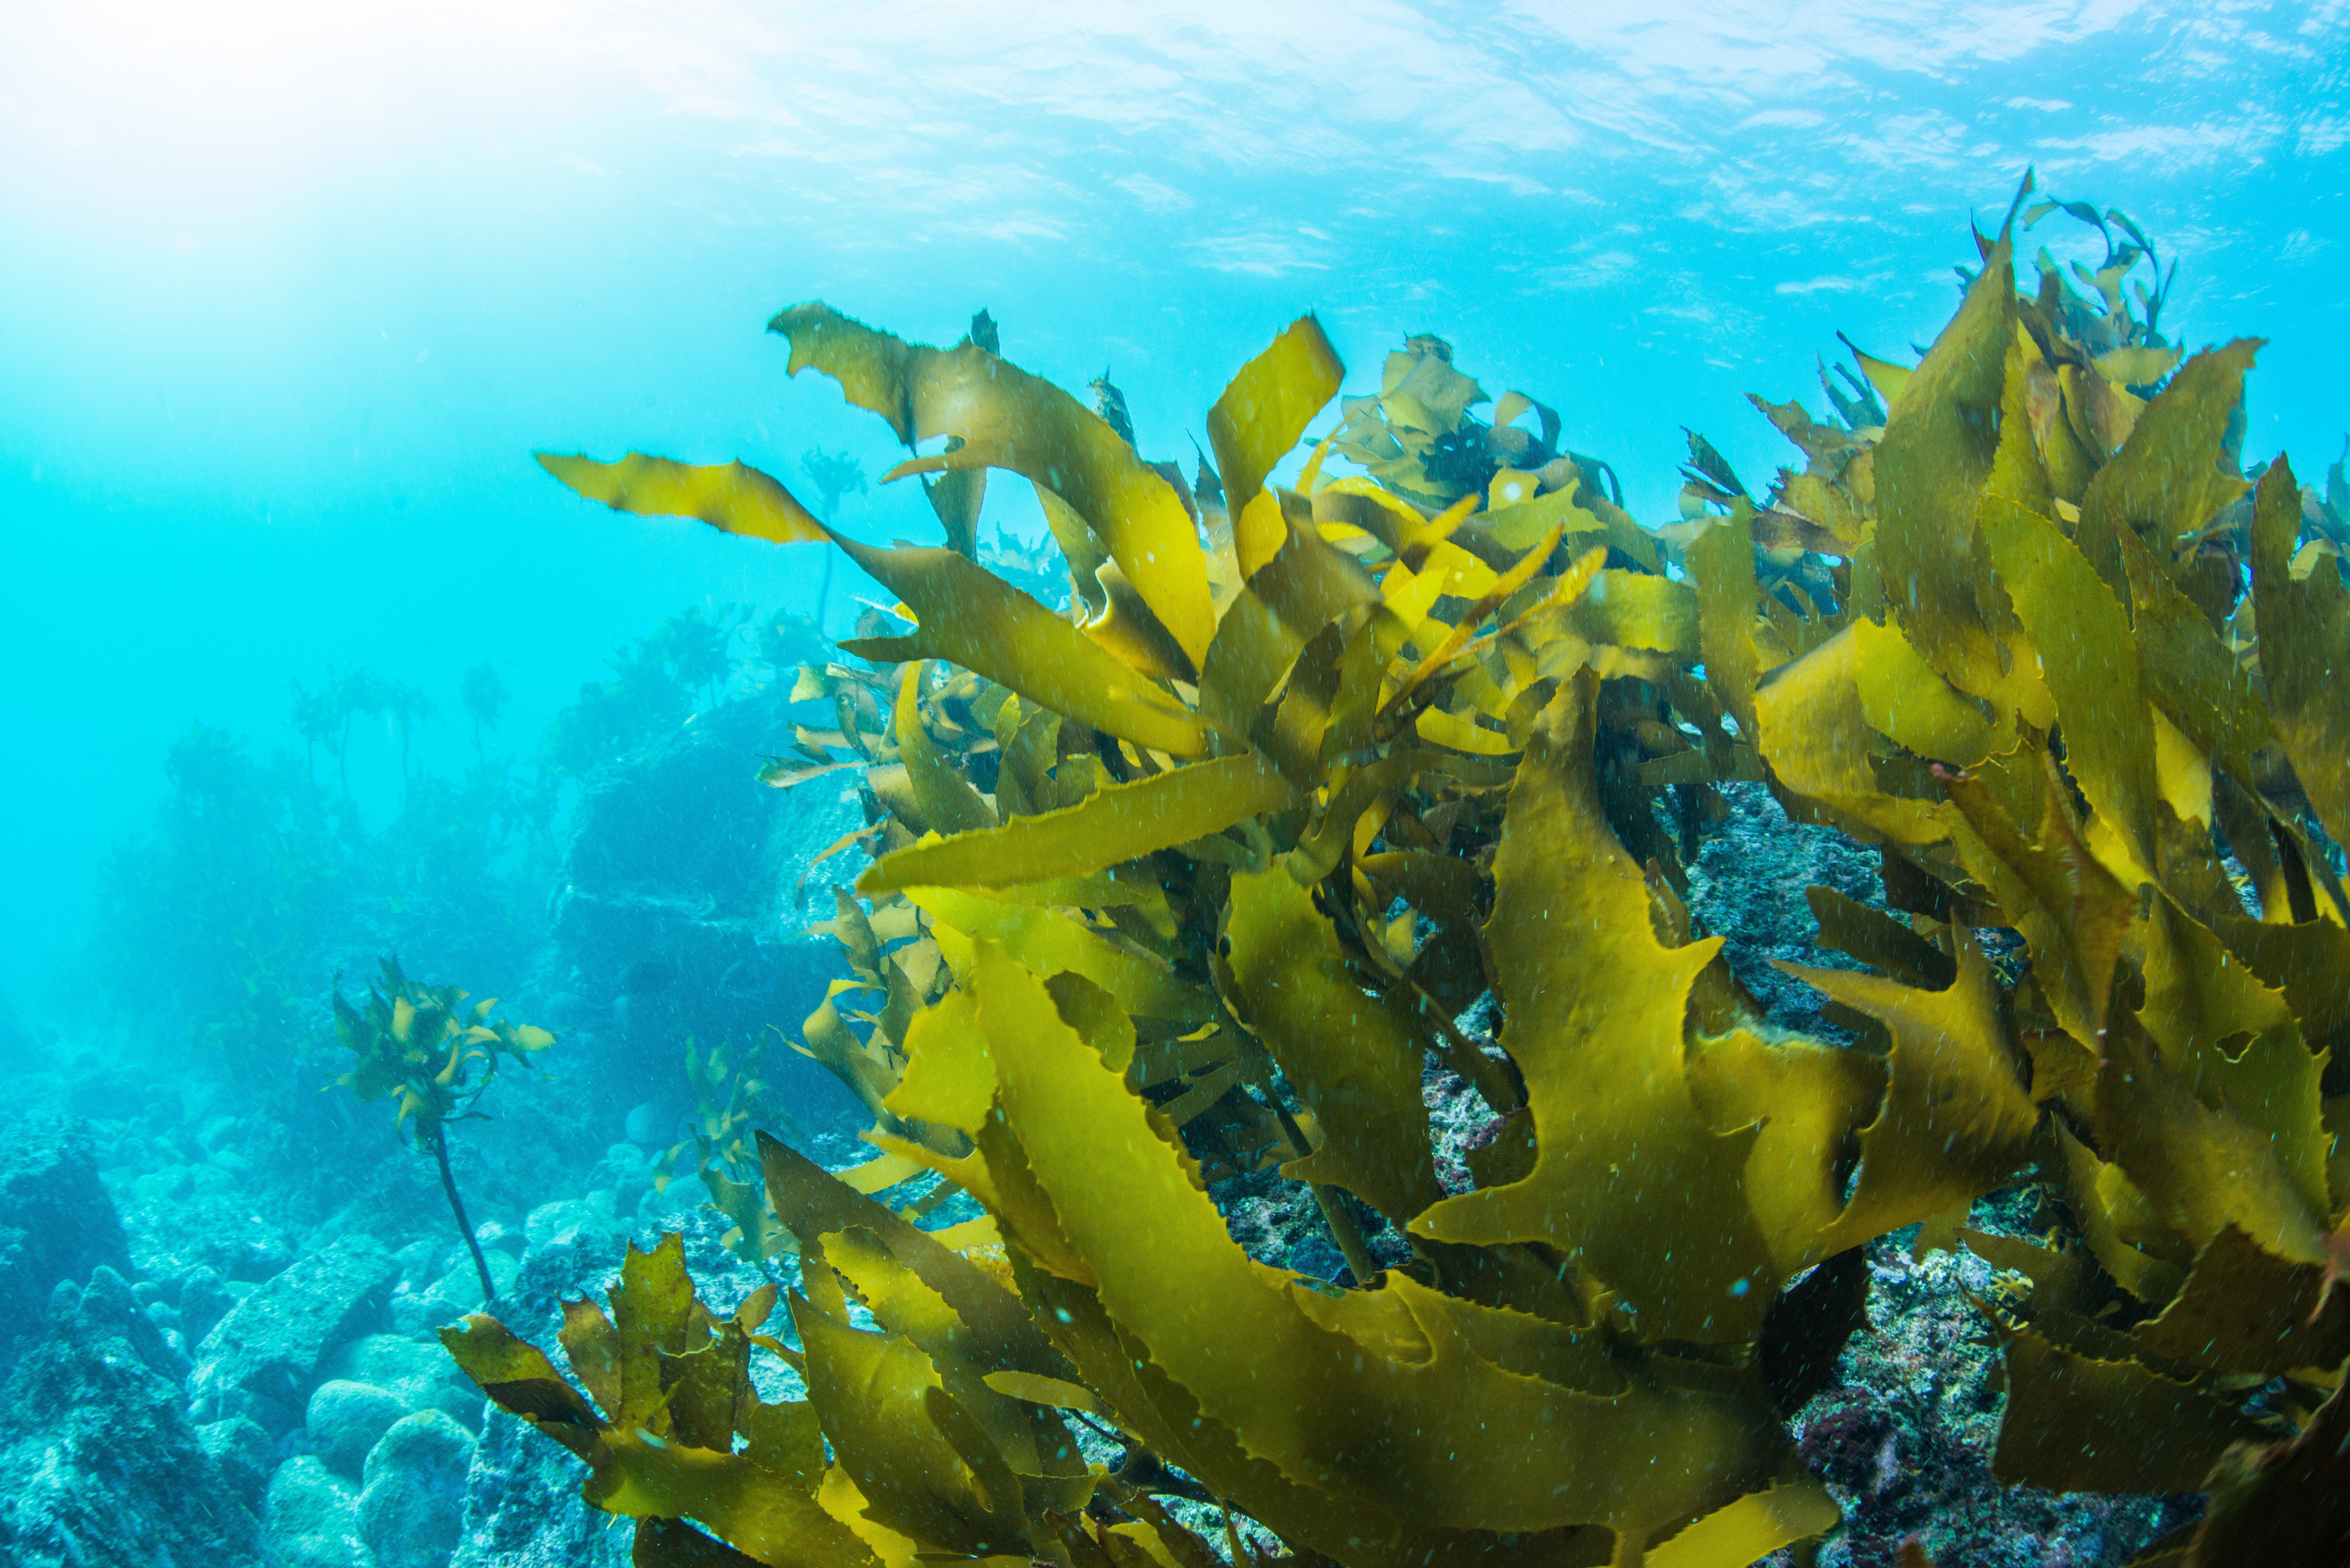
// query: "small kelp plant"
[[1198, 878], [421, 1045], [732, 1103]]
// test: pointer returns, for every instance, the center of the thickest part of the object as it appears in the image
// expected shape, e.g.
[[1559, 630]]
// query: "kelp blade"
[[1116, 823], [733, 496]]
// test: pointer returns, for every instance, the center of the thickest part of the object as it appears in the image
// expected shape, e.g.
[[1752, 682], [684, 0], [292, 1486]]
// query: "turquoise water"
[[287, 298]]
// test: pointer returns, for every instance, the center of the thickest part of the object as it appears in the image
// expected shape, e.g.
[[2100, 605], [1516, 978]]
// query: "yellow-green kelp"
[[1191, 880], [434, 1057]]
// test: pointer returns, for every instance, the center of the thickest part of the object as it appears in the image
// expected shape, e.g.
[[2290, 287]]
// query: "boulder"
[[313, 1518], [456, 1293], [102, 1464], [412, 1510], [344, 1420], [567, 1221], [184, 1217], [56, 1222], [419, 1372], [262, 1359]]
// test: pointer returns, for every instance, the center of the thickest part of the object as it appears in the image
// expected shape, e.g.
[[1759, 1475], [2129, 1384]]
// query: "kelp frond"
[[425, 1048], [1195, 879]]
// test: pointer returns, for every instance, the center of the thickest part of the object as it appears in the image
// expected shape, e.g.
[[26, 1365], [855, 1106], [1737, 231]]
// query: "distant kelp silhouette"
[[1191, 880]]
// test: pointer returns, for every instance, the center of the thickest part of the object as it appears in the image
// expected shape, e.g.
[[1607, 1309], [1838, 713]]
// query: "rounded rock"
[[347, 1419], [561, 1223], [412, 1510], [311, 1518], [418, 1371]]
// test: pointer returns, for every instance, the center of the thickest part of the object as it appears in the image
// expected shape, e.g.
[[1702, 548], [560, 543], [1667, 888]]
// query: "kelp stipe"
[[435, 1057], [1190, 881]]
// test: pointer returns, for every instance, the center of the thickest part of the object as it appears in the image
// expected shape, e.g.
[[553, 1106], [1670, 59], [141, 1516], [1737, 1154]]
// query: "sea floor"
[[220, 1290]]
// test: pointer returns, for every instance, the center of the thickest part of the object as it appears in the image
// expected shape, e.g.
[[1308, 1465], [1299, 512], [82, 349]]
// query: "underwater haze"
[[293, 294], [1154, 786]]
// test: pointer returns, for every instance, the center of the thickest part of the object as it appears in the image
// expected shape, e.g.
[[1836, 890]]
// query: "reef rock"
[[522, 1508], [1903, 1436], [412, 1510], [103, 1467], [1747, 886], [346, 1418], [262, 1360], [418, 1373], [187, 1218], [313, 1518], [686, 885], [56, 1222], [244, 1454]]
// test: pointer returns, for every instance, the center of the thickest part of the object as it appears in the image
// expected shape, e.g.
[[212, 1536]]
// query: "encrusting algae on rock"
[[1190, 882]]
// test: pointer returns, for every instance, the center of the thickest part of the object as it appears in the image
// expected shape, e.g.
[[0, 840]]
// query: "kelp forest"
[[1313, 824]]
